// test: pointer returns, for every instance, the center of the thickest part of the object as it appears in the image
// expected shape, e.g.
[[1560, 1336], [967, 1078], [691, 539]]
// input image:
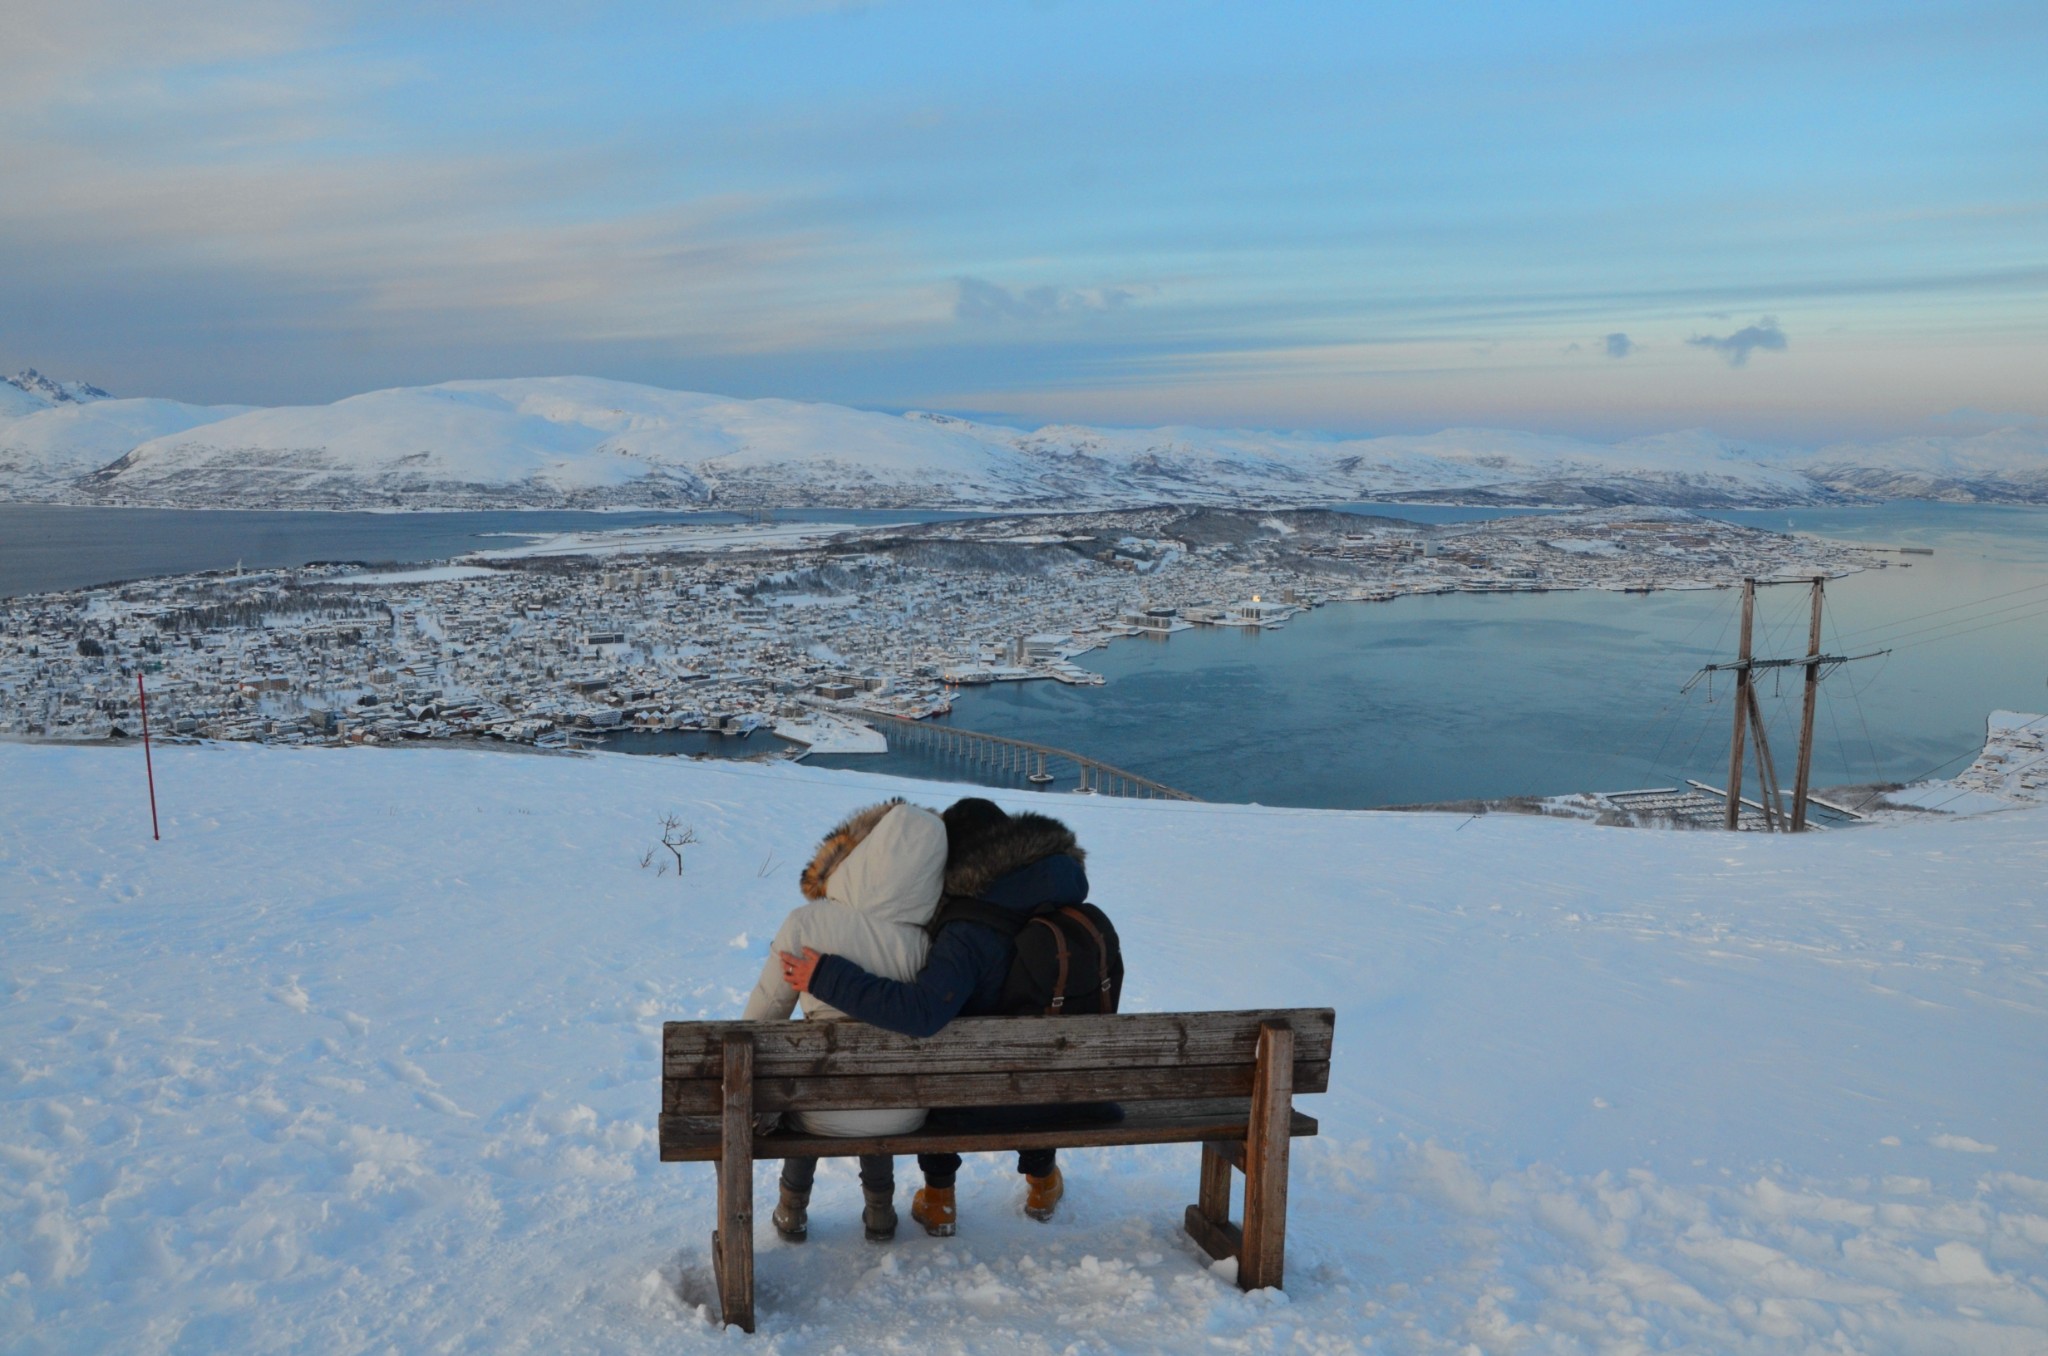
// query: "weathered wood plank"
[[732, 1244], [1024, 1087], [683, 1141], [1263, 1260], [975, 1044]]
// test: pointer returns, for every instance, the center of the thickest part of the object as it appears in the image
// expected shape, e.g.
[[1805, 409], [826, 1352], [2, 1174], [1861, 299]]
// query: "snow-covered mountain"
[[581, 441], [588, 442], [2008, 464], [51, 432], [44, 391]]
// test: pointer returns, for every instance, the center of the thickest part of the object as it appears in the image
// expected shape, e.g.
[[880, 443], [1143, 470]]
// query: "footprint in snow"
[[292, 996]]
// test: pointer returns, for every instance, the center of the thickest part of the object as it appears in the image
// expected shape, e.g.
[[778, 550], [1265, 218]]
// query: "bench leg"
[[1263, 1259], [732, 1244], [1214, 1198], [1208, 1219]]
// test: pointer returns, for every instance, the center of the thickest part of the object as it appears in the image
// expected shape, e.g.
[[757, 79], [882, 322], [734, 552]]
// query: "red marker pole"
[[147, 766]]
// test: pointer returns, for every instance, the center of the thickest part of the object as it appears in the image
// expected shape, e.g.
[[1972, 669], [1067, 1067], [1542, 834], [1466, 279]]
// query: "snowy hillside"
[[2003, 464], [53, 432], [362, 1056], [587, 442], [581, 441], [43, 391]]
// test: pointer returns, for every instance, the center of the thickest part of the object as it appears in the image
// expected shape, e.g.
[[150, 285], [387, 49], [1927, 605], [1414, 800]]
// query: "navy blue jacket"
[[963, 976]]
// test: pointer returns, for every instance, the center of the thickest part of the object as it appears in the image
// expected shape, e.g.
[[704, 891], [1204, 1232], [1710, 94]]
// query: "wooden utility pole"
[[1749, 716], [1766, 768], [1741, 703], [148, 767], [1801, 781]]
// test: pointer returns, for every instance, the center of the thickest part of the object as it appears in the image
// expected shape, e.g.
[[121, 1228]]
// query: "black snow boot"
[[793, 1216], [879, 1218]]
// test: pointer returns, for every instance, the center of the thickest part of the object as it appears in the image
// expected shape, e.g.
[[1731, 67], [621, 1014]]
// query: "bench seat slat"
[[976, 1044], [1016, 1087], [1170, 1122]]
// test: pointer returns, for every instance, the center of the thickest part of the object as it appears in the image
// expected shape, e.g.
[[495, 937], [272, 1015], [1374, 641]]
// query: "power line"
[[1856, 700], [2033, 603], [1956, 607], [2042, 611]]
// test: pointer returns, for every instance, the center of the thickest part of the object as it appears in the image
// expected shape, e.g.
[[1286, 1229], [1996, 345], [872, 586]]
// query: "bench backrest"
[[991, 1061]]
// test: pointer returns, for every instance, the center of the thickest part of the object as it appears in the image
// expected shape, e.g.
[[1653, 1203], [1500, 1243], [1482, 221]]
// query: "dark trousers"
[[877, 1173], [939, 1169]]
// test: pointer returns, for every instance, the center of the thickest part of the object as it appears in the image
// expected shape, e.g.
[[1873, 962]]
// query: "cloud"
[[78, 51], [1619, 345], [1737, 347], [979, 301]]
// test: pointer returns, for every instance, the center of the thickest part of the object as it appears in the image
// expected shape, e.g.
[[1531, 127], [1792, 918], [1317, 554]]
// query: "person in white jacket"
[[873, 884]]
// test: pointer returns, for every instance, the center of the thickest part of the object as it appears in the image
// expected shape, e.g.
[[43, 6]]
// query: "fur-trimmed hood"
[[838, 844], [885, 860], [1009, 846]]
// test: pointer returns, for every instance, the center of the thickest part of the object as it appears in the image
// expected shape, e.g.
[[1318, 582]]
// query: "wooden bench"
[[1224, 1080]]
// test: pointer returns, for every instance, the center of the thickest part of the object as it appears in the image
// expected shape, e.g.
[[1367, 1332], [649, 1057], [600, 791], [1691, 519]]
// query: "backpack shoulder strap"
[[1059, 984], [1101, 946]]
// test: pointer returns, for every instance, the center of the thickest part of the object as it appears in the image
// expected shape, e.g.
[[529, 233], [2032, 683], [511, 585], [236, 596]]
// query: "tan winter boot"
[[933, 1208], [879, 1217], [793, 1216], [1043, 1195]]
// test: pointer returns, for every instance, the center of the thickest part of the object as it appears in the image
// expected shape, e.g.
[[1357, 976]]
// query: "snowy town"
[[798, 630]]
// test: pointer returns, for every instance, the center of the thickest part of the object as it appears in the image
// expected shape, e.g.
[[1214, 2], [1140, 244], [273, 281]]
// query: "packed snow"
[[363, 1056]]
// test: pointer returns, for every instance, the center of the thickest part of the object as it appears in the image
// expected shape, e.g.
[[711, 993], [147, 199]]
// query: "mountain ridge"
[[589, 442]]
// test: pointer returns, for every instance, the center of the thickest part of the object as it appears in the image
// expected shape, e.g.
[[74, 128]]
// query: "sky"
[[1788, 222]]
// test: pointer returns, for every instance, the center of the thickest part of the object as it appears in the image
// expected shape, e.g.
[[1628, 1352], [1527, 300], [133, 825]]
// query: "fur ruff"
[[839, 844], [1025, 839]]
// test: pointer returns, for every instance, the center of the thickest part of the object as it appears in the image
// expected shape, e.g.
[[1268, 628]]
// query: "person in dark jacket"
[[1023, 862]]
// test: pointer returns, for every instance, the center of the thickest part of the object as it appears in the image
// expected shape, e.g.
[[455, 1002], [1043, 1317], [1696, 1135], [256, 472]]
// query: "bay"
[[1356, 705], [1459, 696]]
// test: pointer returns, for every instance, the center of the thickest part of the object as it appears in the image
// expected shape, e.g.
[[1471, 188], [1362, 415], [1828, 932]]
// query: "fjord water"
[[49, 547], [1423, 699], [1473, 695]]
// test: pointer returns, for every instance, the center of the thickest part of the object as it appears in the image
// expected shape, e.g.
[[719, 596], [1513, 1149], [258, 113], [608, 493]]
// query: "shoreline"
[[697, 642]]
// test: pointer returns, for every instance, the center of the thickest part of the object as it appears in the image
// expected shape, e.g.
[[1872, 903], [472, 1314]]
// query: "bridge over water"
[[1039, 764]]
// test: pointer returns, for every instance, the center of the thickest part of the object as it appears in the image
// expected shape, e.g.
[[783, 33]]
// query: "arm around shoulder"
[[918, 1007]]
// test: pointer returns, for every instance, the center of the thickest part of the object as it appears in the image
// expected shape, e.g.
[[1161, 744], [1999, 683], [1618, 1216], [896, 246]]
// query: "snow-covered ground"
[[435, 574], [686, 537], [824, 733], [362, 1057]]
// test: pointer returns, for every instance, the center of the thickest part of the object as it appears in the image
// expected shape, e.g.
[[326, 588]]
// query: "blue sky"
[[1786, 222]]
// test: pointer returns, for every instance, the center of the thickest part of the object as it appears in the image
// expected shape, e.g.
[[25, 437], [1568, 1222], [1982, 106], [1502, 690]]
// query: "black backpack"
[[1065, 958]]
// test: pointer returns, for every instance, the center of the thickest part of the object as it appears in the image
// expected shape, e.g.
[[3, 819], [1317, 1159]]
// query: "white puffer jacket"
[[874, 884]]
